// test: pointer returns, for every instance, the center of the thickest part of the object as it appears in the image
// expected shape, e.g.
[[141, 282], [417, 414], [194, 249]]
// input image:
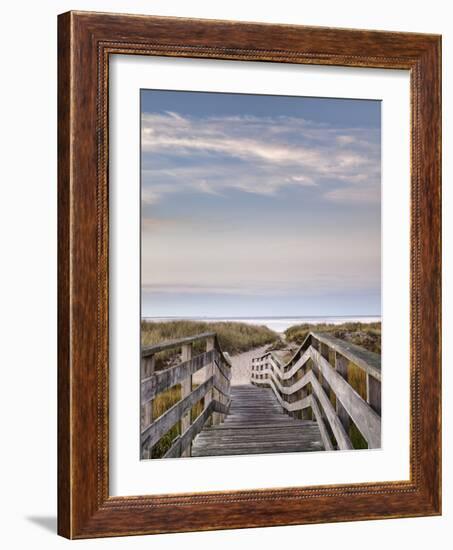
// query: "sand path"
[[241, 365]]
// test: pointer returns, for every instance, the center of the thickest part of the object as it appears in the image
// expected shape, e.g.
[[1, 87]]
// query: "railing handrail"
[[168, 344], [215, 390], [365, 418], [282, 379], [366, 360], [161, 425], [308, 401], [164, 379]]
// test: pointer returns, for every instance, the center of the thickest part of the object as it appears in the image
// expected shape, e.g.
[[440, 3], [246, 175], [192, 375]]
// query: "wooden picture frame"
[[85, 42]]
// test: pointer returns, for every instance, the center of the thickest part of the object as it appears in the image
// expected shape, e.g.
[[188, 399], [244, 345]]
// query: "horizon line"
[[257, 316]]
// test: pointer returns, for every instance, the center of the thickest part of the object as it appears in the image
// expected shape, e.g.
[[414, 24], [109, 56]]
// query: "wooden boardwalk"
[[256, 424], [327, 397]]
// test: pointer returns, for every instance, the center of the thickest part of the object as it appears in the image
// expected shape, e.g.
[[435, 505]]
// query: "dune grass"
[[161, 404], [234, 337], [367, 335]]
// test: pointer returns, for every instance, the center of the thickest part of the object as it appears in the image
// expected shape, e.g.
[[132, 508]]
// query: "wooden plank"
[[322, 427], [261, 433], [264, 429], [184, 441], [210, 370], [222, 408], [367, 421], [249, 442], [165, 379], [296, 447], [152, 434], [150, 350], [368, 361], [206, 437], [271, 446], [288, 390], [306, 413], [222, 365], [299, 405], [337, 427], [283, 425], [293, 370], [227, 358], [186, 388], [221, 384], [373, 390], [341, 366], [324, 352], [148, 365], [271, 384], [290, 407], [260, 451]]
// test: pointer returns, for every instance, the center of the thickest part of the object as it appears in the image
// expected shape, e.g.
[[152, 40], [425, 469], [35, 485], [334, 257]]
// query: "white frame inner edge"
[[129, 475]]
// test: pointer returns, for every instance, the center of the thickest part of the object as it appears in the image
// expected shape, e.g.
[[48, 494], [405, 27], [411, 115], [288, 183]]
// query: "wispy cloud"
[[259, 155], [251, 213], [362, 194]]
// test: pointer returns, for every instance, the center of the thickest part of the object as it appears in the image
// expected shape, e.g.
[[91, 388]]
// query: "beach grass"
[[161, 404], [234, 337], [366, 335]]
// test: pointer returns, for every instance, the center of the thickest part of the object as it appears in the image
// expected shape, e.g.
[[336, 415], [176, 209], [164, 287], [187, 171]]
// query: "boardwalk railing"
[[213, 392], [336, 383]]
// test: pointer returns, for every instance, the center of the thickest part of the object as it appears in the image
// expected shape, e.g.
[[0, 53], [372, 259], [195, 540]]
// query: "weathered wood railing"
[[337, 383], [213, 392]]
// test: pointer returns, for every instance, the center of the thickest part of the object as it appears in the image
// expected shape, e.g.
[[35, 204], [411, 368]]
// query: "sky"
[[256, 205]]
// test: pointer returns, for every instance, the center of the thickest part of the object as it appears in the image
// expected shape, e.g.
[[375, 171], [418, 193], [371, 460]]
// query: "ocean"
[[278, 324]]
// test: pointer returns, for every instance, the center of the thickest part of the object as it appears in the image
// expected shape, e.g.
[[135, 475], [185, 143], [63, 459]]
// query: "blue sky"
[[259, 205]]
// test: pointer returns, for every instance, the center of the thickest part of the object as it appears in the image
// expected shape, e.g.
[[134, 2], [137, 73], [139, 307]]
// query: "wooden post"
[[314, 367], [225, 398], [291, 398], [210, 343], [301, 394], [216, 416], [324, 351], [373, 393], [308, 414], [186, 388], [147, 369], [341, 366]]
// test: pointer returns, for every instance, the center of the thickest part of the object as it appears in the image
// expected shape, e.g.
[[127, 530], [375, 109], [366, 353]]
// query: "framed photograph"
[[249, 275]]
